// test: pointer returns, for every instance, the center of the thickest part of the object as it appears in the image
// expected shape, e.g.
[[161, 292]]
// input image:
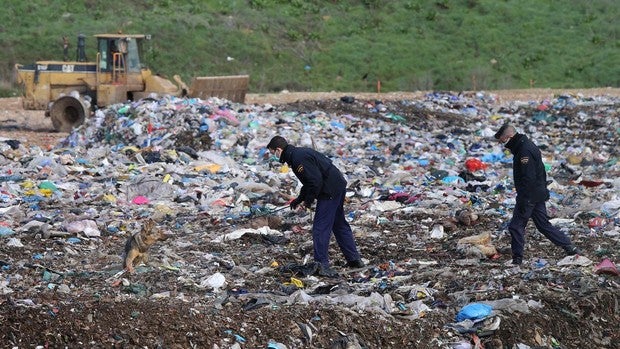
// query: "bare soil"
[[580, 309]]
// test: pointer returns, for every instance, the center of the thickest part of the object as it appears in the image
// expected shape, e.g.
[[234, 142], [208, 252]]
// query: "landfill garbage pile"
[[228, 265]]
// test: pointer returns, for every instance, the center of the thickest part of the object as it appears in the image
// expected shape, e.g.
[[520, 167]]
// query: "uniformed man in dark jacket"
[[322, 182], [530, 181]]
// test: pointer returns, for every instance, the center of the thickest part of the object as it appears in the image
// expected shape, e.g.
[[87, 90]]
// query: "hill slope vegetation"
[[349, 45]]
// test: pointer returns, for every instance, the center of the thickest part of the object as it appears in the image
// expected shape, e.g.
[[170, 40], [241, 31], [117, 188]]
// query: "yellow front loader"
[[68, 89]]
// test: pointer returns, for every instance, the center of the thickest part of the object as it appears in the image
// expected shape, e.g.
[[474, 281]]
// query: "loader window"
[[118, 51], [104, 55], [128, 47], [133, 56]]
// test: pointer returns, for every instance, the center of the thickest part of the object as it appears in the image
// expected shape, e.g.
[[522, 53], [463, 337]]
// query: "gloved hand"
[[295, 203]]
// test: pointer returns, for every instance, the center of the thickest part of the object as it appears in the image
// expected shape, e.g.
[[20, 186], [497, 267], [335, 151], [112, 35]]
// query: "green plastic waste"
[[395, 117], [48, 185]]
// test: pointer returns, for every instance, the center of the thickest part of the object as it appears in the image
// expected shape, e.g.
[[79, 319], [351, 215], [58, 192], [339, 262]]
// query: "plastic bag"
[[606, 267], [474, 311], [473, 165]]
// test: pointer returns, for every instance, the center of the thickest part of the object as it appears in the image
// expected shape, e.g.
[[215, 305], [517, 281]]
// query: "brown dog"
[[137, 246]]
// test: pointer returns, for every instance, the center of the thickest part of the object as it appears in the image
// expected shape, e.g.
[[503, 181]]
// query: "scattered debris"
[[429, 199]]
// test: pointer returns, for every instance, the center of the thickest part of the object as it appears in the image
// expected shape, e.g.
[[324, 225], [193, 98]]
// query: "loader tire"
[[67, 112]]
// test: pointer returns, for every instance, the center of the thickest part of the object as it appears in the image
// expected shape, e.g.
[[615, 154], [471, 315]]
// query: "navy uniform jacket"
[[319, 177], [528, 170]]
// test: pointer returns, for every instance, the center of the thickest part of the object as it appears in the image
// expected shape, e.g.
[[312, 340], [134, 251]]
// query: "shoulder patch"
[[524, 160], [300, 169]]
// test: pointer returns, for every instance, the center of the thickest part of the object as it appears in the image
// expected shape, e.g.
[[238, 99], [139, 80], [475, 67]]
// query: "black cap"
[[277, 142], [501, 130]]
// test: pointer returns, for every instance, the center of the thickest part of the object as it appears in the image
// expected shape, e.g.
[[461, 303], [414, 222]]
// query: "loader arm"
[[181, 84]]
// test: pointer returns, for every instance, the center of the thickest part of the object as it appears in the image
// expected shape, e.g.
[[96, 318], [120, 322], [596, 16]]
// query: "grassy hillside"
[[312, 45]]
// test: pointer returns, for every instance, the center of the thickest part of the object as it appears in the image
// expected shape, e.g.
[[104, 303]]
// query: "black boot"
[[355, 264], [572, 250], [327, 271]]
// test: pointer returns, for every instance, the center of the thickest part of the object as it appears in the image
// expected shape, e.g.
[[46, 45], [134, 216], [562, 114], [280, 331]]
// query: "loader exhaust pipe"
[[67, 112]]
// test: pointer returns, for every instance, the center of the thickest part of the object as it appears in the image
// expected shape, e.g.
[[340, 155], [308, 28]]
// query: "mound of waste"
[[429, 196]]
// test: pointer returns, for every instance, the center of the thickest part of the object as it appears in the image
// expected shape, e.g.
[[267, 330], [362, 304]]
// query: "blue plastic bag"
[[452, 179], [474, 311]]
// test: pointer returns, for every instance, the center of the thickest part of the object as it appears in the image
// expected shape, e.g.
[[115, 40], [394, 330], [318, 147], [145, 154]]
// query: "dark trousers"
[[538, 212], [328, 218]]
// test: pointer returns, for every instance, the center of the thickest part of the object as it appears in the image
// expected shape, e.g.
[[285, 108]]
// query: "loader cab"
[[120, 70], [118, 53]]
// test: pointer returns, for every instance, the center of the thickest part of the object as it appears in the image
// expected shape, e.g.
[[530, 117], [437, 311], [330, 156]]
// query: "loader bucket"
[[67, 112], [232, 88]]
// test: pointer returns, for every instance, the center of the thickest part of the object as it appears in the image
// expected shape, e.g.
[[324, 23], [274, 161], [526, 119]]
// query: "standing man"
[[322, 182], [530, 181], [65, 48]]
